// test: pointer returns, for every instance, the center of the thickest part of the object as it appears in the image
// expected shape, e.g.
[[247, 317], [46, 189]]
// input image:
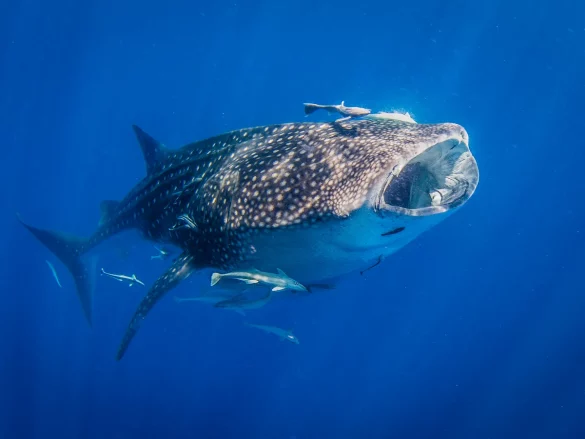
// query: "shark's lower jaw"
[[441, 178]]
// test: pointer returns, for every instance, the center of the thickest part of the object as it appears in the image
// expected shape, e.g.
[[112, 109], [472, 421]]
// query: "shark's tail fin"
[[69, 249]]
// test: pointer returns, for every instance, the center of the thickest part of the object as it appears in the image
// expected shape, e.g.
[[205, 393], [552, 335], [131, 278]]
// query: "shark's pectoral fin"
[[180, 269], [278, 288]]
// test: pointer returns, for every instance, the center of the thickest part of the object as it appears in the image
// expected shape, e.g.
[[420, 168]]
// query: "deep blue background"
[[475, 330]]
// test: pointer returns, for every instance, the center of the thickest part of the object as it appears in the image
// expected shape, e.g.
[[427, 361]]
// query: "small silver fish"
[[122, 277], [282, 333], [162, 253], [348, 112], [54, 273], [278, 281], [185, 221]]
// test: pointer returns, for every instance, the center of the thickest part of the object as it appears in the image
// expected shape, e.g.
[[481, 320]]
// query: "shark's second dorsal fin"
[[153, 151], [108, 209]]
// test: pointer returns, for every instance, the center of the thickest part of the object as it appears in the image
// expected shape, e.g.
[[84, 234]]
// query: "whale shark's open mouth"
[[443, 177]]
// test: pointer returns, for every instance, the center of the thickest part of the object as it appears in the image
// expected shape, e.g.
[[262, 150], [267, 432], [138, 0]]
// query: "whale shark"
[[317, 200]]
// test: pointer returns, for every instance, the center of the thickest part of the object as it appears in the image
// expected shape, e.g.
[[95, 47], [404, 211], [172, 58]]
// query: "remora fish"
[[278, 281], [163, 253], [54, 273], [260, 198], [122, 277], [282, 333], [349, 112]]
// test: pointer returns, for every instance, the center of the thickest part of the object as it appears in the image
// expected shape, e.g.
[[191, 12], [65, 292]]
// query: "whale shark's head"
[[364, 188], [418, 175]]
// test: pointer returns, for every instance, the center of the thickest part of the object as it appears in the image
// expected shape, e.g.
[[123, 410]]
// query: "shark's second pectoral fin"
[[180, 270]]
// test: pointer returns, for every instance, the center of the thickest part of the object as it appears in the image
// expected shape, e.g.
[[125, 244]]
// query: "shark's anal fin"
[[153, 151], [68, 249], [108, 209], [178, 271]]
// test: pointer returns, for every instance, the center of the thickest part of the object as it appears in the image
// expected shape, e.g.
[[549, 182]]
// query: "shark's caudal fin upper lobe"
[[69, 249], [179, 271]]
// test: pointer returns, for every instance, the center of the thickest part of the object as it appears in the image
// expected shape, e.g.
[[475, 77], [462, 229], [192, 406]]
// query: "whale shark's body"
[[317, 200]]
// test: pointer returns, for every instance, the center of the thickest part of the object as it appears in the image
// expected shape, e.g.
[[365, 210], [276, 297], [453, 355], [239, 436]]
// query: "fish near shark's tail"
[[69, 249]]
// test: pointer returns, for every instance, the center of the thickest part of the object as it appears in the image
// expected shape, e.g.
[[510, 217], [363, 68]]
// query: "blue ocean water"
[[474, 330]]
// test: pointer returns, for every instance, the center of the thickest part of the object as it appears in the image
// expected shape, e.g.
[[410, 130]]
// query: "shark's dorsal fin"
[[282, 273], [153, 151], [108, 210]]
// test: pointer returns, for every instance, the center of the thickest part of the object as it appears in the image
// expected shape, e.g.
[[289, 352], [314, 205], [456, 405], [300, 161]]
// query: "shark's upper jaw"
[[443, 176]]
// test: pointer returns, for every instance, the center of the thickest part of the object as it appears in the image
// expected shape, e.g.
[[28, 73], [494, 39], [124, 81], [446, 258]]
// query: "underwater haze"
[[474, 329]]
